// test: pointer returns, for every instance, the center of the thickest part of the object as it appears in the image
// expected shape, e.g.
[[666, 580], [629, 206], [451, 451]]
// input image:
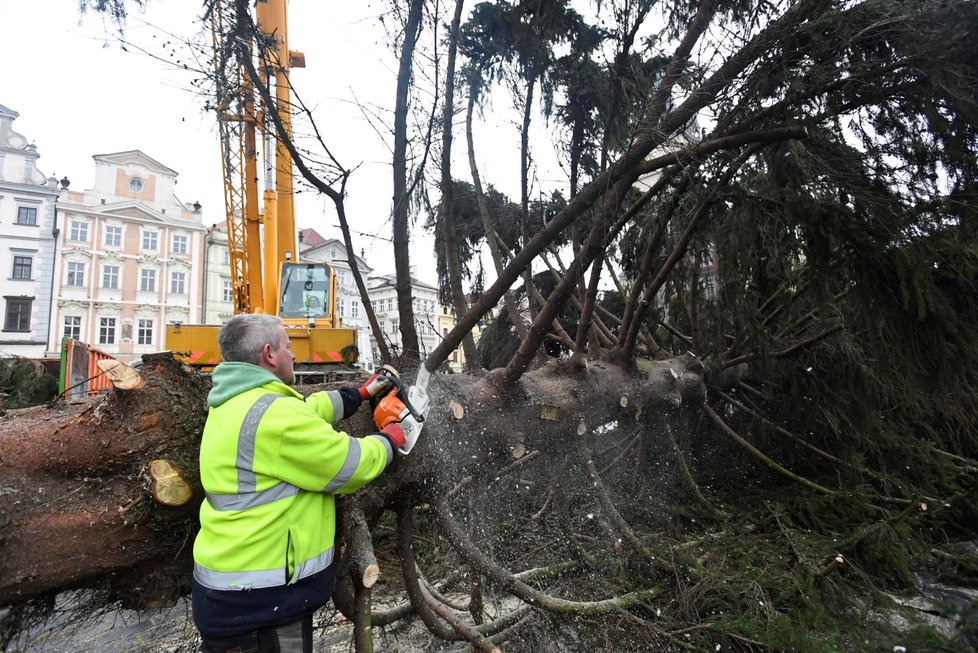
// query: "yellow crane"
[[266, 274]]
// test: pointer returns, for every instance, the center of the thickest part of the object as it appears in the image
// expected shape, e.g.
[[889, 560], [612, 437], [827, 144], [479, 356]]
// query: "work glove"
[[396, 422], [375, 385]]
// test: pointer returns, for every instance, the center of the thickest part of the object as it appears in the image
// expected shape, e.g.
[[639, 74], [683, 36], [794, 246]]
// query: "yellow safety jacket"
[[270, 462]]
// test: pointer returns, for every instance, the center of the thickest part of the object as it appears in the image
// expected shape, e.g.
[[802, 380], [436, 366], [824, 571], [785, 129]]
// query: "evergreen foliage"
[[24, 383], [827, 285]]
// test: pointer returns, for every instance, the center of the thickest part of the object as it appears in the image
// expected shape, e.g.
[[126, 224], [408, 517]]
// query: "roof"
[[326, 243], [391, 280], [310, 237], [134, 156]]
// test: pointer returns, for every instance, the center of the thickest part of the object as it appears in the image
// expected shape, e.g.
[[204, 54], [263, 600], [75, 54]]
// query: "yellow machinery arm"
[[266, 275], [261, 237], [240, 122]]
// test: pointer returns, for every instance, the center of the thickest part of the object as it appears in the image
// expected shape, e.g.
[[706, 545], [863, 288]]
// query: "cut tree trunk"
[[77, 481], [108, 491]]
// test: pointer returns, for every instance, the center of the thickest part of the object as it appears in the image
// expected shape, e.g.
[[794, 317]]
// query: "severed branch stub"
[[168, 488], [362, 548], [121, 375], [834, 564]]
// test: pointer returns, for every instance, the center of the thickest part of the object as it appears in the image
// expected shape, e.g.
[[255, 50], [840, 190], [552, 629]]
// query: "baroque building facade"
[[28, 206], [427, 314], [130, 258]]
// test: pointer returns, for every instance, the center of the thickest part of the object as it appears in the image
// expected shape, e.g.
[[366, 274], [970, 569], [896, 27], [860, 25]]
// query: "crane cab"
[[307, 305], [307, 295]]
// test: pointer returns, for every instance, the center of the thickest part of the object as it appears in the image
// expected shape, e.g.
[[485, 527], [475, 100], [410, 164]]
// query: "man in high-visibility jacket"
[[270, 463]]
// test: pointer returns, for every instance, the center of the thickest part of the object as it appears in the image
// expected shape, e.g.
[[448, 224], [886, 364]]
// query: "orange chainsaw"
[[391, 403]]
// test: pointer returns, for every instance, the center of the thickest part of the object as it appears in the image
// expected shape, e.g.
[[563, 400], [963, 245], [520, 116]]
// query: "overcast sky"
[[79, 93]]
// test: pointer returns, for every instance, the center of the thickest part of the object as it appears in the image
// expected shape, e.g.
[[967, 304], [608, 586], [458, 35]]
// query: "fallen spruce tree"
[[757, 439], [587, 492]]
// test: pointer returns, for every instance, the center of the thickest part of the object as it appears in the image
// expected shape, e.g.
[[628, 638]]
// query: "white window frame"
[[178, 283], [180, 244], [110, 272], [106, 330], [227, 290], [72, 330], [147, 235], [147, 280], [78, 231], [116, 232], [144, 325], [75, 274]]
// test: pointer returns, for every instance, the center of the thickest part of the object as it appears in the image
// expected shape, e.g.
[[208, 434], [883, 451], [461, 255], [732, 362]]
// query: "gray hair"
[[242, 338]]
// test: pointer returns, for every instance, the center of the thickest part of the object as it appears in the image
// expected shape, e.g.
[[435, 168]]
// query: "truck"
[[252, 101]]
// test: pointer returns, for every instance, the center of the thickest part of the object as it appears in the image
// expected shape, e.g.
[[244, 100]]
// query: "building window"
[[26, 215], [106, 331], [22, 267], [72, 327], [390, 304], [78, 232], [179, 244], [110, 277], [147, 280], [342, 307], [394, 326], [178, 283], [113, 236], [150, 241], [355, 309], [225, 257], [144, 332], [18, 316], [227, 291], [136, 185], [76, 275]]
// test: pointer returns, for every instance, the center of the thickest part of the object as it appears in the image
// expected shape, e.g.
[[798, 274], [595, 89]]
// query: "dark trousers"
[[292, 638]]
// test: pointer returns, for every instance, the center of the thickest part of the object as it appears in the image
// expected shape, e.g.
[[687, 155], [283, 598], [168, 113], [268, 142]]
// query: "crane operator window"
[[305, 290]]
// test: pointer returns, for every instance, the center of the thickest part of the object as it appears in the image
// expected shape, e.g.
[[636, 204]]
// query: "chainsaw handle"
[[398, 388]]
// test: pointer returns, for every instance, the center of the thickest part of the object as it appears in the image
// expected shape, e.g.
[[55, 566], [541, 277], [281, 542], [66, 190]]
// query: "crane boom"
[[266, 275], [236, 123]]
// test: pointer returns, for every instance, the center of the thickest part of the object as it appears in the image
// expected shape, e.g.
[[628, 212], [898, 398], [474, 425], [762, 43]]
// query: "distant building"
[[429, 317], [314, 247], [218, 300], [130, 258], [446, 322], [27, 243]]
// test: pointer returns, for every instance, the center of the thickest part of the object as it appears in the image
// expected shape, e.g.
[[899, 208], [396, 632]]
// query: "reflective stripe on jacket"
[[270, 462]]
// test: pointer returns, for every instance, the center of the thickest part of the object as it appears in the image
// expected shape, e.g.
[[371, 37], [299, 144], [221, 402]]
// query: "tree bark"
[[79, 490], [402, 261], [80, 509], [446, 217]]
